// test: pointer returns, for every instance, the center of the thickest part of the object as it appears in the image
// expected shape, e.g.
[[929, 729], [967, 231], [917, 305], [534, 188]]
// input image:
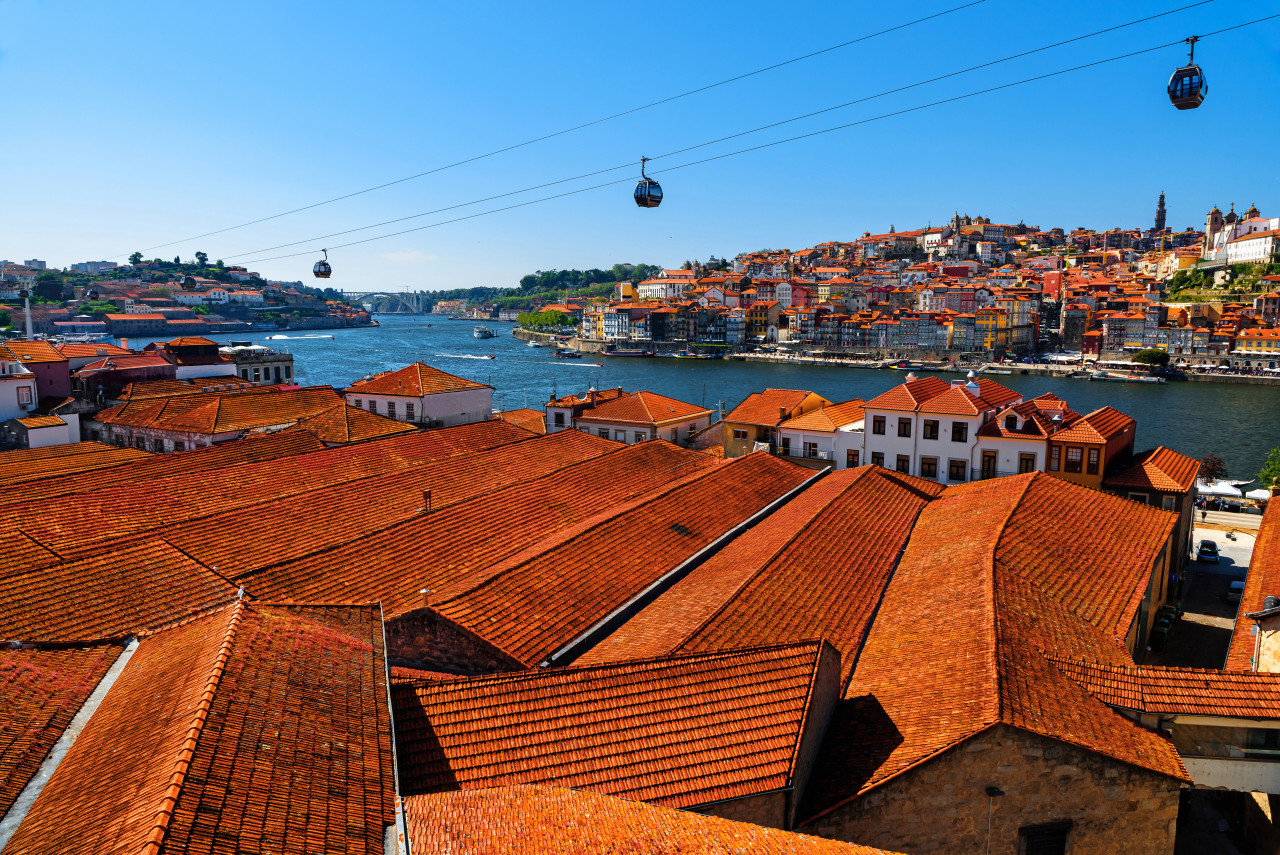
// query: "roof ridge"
[[857, 478], [177, 778]]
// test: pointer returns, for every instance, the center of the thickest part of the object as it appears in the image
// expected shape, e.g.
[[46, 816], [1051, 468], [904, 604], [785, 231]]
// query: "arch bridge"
[[415, 302]]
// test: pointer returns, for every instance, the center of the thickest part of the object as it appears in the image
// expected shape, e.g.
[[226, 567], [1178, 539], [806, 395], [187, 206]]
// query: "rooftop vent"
[[1271, 602], [911, 375]]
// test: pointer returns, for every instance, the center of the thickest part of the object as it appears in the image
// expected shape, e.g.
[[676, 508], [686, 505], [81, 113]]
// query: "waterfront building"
[[828, 436], [643, 416], [422, 395], [259, 364], [758, 420], [1090, 448]]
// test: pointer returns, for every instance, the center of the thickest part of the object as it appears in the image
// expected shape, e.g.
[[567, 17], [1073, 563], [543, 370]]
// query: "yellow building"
[[991, 329]]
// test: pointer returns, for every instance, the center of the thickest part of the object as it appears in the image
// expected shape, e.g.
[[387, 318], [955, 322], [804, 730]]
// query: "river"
[[1237, 422]]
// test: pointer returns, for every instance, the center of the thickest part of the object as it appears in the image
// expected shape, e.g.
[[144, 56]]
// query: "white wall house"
[[422, 395], [17, 390], [831, 434], [642, 417]]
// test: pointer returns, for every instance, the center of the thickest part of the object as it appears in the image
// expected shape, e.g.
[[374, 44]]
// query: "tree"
[[136, 258], [1270, 473], [49, 286], [1213, 468], [1152, 356], [177, 259], [219, 263], [202, 259]]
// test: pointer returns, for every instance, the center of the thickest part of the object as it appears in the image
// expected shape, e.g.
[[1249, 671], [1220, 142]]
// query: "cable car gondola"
[[322, 270], [648, 192], [1187, 86]]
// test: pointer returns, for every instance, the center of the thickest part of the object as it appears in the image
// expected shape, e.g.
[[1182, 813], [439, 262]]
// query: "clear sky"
[[132, 124]]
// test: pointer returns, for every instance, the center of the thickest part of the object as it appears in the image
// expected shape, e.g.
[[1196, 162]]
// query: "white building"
[[17, 389], [831, 433], [35, 264], [246, 298], [662, 289], [643, 416], [1254, 246], [422, 395]]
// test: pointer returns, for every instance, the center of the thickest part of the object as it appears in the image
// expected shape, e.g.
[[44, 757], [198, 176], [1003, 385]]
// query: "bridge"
[[388, 301]]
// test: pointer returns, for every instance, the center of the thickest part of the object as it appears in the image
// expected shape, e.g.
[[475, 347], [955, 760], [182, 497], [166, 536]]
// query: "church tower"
[[1160, 213], [1212, 225]]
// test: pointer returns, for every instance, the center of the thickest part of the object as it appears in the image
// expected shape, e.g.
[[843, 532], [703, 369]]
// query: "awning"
[[1217, 488], [1259, 495]]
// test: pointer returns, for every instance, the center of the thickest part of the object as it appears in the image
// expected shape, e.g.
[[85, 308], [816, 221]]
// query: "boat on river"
[[1109, 377], [631, 353], [482, 332], [566, 353]]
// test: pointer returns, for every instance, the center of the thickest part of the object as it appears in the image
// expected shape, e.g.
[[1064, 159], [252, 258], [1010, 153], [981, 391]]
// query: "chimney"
[[124, 342], [426, 597], [593, 397], [426, 501], [782, 413]]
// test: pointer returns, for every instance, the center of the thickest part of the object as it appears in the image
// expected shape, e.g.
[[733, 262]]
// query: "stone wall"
[[942, 806], [767, 809], [427, 640]]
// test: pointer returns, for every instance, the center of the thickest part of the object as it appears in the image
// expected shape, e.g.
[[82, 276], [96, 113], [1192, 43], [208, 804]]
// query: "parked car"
[[1234, 591], [1207, 552]]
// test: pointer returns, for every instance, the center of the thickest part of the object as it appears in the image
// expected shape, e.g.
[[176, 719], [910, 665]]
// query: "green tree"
[[201, 310], [6, 320], [177, 259], [219, 263], [1213, 468], [202, 259], [1270, 473], [136, 258], [1153, 357], [49, 286]]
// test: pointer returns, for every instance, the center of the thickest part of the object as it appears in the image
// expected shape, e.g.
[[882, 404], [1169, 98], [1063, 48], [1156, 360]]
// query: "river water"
[[1240, 423]]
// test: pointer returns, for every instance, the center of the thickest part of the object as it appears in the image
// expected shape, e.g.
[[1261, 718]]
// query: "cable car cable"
[[786, 140], [631, 164], [657, 103]]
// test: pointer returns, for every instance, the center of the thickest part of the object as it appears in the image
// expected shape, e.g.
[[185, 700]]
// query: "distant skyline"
[[138, 123]]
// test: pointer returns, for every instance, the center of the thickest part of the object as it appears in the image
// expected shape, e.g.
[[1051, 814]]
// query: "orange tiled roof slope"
[[909, 396], [1186, 691], [227, 385], [1161, 469], [216, 413], [40, 693], [133, 508], [1000, 555], [644, 408], [538, 602], [442, 548], [413, 381], [141, 586], [1098, 426], [242, 539], [679, 731], [33, 464], [529, 419], [828, 419], [1263, 580], [770, 407], [342, 424], [81, 351], [815, 569], [253, 727], [34, 351], [559, 821], [143, 466]]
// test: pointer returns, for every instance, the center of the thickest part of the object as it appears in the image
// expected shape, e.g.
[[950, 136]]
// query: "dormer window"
[[1010, 422]]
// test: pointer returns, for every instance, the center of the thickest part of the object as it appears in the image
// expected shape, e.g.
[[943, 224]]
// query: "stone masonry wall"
[[941, 806], [767, 809], [425, 639]]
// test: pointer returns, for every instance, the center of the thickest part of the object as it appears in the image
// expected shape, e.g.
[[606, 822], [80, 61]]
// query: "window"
[[620, 435], [559, 419], [179, 445], [877, 458], [373, 406], [641, 435], [956, 470], [1262, 743], [1010, 422], [811, 449], [851, 459], [288, 372], [1166, 502], [1093, 461], [24, 394], [1055, 454], [1026, 463], [257, 375], [739, 433], [277, 373], [1137, 497], [244, 373], [604, 433], [989, 461], [930, 429], [929, 467], [904, 427], [1047, 839], [877, 425], [1074, 456], [959, 432], [358, 404], [786, 445], [408, 411], [391, 409], [904, 464]]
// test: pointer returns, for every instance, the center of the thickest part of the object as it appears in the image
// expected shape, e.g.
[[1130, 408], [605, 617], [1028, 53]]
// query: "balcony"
[[980, 474]]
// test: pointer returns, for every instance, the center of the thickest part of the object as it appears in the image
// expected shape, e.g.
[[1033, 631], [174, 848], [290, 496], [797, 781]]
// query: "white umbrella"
[[1258, 495], [1217, 488]]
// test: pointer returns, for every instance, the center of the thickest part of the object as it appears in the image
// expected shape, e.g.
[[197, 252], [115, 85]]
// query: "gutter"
[[10, 821], [610, 622], [401, 843]]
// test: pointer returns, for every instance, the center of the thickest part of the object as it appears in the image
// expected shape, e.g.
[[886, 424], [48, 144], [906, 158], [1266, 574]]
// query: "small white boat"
[[535, 343], [482, 332]]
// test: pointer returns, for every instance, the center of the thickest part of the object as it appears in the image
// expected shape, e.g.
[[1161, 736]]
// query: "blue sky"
[[132, 124]]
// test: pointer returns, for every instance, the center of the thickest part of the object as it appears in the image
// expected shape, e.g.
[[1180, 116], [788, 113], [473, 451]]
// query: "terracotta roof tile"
[[909, 396], [529, 419], [34, 464], [679, 731], [559, 821], [1173, 691], [645, 408], [1098, 426], [34, 351], [537, 602], [828, 419], [80, 351], [763, 408], [219, 413], [815, 569], [1161, 469], [450, 545], [413, 381], [1262, 580], [40, 692], [342, 424], [261, 726]]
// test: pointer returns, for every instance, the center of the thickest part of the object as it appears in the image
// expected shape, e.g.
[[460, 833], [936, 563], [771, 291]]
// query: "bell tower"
[[1160, 213]]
